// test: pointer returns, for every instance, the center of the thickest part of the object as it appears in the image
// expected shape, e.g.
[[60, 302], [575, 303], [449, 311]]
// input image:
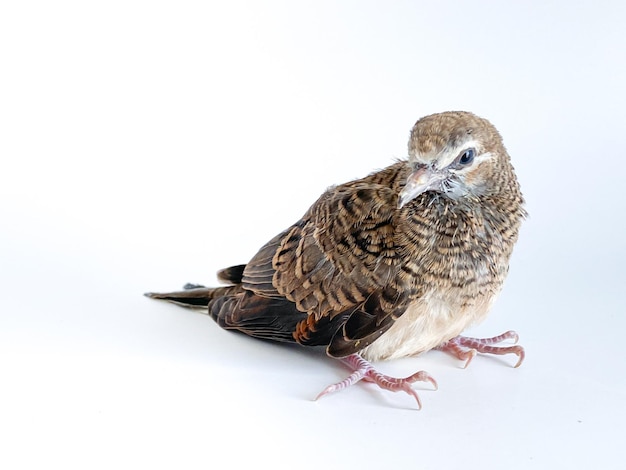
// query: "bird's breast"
[[428, 322]]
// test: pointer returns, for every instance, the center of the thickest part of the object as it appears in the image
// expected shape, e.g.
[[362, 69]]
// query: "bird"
[[391, 265]]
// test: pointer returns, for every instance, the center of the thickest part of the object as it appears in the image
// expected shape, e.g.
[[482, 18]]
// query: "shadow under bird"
[[391, 265]]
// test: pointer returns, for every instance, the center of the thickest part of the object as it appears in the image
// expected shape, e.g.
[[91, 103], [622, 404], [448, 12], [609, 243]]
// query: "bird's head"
[[456, 154]]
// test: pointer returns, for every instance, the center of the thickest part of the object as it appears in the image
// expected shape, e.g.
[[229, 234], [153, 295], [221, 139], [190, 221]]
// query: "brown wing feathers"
[[330, 279], [324, 272]]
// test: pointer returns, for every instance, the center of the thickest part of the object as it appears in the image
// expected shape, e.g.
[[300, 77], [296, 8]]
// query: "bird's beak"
[[421, 180]]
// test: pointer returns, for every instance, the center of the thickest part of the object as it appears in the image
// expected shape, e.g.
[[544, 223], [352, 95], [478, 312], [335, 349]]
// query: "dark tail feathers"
[[193, 296], [197, 296]]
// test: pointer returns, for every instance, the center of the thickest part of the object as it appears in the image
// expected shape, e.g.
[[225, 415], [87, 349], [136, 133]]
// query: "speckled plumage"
[[390, 265]]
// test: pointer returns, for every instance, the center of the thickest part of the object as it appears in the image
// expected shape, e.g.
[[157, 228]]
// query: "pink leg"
[[456, 346], [363, 370]]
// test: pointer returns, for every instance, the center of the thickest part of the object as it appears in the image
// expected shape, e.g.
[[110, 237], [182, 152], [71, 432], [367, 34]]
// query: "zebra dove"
[[391, 265]]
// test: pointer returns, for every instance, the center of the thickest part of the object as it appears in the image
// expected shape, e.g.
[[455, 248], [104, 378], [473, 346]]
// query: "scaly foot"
[[465, 348], [363, 370]]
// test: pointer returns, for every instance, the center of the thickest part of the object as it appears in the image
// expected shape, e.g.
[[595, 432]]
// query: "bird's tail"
[[192, 296], [199, 297]]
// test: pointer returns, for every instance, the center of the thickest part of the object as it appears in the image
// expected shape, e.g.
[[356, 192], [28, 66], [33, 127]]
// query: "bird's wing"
[[334, 273]]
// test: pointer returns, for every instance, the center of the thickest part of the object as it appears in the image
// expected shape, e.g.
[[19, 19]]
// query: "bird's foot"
[[465, 348], [363, 370]]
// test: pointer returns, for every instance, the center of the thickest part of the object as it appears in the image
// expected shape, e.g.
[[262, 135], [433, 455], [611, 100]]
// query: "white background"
[[148, 144]]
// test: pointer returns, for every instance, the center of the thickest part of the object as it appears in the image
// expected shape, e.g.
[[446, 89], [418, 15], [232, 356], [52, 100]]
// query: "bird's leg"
[[363, 370], [465, 348]]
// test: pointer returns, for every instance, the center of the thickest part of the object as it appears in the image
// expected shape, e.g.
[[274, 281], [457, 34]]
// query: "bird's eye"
[[466, 157]]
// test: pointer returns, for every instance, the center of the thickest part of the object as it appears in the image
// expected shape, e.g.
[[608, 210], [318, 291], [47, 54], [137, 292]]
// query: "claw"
[[421, 376], [521, 354], [363, 370], [413, 393], [471, 354], [456, 346]]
